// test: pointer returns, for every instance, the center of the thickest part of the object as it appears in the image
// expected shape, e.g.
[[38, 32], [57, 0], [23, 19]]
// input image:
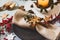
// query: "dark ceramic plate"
[[27, 34]]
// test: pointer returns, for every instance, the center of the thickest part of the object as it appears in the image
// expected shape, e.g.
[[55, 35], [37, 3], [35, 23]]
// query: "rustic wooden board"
[[27, 34]]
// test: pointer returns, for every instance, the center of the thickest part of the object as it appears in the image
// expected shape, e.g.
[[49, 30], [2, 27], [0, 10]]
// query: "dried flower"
[[44, 4]]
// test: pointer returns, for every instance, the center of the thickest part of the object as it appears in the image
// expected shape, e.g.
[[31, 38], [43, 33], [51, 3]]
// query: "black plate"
[[27, 34]]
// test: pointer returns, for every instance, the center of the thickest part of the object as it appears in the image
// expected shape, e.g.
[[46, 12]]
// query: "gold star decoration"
[[47, 18], [34, 20]]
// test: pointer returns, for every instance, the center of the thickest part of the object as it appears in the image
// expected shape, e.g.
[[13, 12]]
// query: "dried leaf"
[[4, 16], [12, 5], [22, 8]]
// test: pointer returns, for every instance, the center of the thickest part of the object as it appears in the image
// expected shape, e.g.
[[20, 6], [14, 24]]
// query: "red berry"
[[58, 17], [5, 21], [5, 39], [2, 32], [1, 24], [10, 19], [8, 27]]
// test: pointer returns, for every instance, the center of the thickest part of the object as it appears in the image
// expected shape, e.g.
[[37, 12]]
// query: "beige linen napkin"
[[51, 34]]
